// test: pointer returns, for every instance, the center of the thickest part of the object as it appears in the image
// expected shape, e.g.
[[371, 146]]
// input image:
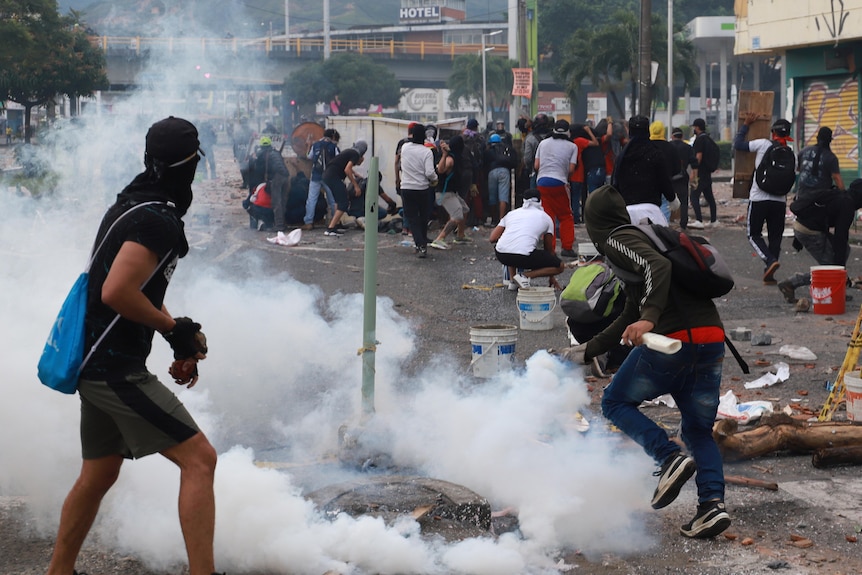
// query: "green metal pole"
[[532, 25], [369, 290]]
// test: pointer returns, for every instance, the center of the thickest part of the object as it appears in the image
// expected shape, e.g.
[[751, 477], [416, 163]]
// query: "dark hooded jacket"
[[651, 296], [642, 173]]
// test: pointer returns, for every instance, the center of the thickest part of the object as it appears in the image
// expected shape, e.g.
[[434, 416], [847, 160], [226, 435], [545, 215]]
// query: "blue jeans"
[[594, 179], [692, 376], [311, 202]]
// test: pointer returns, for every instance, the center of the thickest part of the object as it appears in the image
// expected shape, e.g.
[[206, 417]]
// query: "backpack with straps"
[[711, 154], [325, 153], [696, 266], [593, 294], [776, 172]]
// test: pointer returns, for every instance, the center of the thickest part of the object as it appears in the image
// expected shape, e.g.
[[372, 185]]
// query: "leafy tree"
[[356, 79], [608, 57], [59, 60], [560, 20], [16, 18], [466, 79]]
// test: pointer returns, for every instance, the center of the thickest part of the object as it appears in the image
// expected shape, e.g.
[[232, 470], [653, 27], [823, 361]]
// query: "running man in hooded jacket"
[[692, 376]]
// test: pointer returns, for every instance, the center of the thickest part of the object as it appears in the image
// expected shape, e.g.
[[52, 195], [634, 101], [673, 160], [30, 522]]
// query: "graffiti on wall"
[[834, 104], [834, 20]]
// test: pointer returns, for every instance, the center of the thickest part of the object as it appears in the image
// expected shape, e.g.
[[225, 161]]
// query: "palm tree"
[[608, 57]]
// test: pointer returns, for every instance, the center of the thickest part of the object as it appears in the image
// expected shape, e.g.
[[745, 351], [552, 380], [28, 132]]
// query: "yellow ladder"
[[836, 395]]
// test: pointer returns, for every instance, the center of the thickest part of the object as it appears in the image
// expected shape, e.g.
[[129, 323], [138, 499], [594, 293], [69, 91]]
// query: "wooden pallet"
[[743, 162]]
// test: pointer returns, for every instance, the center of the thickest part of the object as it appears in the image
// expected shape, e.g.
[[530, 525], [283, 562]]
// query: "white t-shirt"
[[524, 228], [760, 146], [555, 155]]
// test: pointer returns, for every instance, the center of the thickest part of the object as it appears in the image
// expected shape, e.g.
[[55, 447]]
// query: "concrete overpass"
[[264, 64]]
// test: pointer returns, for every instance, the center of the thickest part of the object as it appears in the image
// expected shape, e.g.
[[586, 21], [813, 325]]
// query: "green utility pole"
[[531, 24], [369, 290]]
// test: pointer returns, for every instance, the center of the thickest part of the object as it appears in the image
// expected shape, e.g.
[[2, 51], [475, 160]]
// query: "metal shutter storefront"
[[833, 102]]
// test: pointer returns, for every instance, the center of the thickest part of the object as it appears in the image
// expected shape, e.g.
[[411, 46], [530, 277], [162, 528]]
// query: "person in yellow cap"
[[269, 168]]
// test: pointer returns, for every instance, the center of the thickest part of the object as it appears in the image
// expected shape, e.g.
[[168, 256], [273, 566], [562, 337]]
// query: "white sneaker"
[[439, 245], [715, 224], [522, 281], [511, 286], [696, 225]]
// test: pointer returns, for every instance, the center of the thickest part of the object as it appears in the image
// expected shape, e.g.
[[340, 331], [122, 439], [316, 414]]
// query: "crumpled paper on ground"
[[291, 239], [730, 408], [782, 372], [797, 352], [666, 399]]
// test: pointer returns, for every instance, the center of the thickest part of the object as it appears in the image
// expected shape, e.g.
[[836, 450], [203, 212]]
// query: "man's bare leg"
[[196, 459], [80, 510]]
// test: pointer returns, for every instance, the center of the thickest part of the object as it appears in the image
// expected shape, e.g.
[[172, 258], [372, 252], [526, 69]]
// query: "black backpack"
[[776, 172], [474, 151], [696, 266], [711, 154]]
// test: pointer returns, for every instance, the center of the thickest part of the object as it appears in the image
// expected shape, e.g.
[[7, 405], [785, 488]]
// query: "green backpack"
[[593, 294]]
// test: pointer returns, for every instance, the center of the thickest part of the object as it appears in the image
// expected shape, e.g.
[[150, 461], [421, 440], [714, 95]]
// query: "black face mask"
[[178, 183], [175, 181]]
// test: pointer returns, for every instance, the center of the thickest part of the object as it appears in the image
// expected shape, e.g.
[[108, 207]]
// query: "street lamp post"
[[485, 77]]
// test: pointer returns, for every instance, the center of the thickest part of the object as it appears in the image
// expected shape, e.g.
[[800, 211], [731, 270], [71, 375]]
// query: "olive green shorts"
[[133, 417]]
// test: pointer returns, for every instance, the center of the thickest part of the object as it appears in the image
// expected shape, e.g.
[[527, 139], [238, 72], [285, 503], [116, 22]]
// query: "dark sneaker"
[[711, 519], [769, 274], [674, 472], [333, 232], [569, 253], [422, 252], [786, 289]]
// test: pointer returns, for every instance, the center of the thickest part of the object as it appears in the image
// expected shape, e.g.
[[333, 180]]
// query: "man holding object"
[[692, 375], [125, 411]]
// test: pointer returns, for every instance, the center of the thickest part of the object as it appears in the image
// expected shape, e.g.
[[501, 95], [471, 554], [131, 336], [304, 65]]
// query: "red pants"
[[555, 201]]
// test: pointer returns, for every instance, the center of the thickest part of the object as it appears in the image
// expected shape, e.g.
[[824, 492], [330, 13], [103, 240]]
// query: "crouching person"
[[516, 237]]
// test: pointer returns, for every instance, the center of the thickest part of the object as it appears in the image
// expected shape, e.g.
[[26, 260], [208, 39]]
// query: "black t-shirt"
[[592, 158], [685, 155], [337, 166], [816, 166], [126, 347]]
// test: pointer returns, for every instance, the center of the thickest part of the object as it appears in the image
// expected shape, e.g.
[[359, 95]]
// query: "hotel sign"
[[419, 15]]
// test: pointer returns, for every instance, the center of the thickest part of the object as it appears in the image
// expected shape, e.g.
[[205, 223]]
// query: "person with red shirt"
[[583, 137]]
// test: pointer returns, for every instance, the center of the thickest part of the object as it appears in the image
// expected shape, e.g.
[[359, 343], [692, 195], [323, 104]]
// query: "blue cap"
[[495, 138]]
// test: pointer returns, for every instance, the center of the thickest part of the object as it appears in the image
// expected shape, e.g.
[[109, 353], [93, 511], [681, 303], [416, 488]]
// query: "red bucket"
[[828, 285]]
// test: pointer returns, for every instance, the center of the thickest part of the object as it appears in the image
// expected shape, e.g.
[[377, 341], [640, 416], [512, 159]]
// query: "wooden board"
[[760, 103]]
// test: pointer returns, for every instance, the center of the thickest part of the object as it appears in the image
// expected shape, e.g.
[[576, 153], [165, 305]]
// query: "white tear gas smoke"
[[282, 376]]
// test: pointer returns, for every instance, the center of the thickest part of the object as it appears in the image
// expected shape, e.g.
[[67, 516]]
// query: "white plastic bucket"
[[853, 395], [535, 305], [493, 348]]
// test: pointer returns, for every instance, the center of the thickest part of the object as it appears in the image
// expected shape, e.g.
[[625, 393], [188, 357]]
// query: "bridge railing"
[[297, 47]]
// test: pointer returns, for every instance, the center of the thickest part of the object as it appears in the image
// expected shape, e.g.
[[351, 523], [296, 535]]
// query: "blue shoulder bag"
[[63, 356]]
